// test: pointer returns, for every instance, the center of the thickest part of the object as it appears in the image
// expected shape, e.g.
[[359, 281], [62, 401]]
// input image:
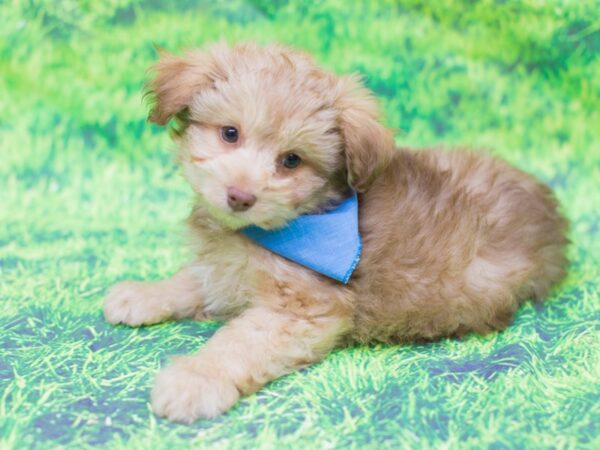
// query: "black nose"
[[239, 200]]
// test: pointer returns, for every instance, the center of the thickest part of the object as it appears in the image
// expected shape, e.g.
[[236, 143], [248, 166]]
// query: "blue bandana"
[[328, 243]]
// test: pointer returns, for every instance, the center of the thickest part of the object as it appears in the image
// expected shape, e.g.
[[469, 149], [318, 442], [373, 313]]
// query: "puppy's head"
[[264, 134]]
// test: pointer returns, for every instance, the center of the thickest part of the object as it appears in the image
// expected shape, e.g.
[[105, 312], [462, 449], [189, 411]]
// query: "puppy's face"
[[260, 149], [265, 135]]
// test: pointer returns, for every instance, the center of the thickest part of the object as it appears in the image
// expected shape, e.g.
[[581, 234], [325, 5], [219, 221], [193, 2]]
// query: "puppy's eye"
[[230, 134], [291, 161]]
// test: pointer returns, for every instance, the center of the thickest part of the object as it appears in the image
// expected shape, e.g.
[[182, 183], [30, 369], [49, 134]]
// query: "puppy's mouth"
[[229, 219], [236, 220]]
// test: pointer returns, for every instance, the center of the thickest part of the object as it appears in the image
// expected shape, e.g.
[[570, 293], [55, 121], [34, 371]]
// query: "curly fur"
[[453, 242]]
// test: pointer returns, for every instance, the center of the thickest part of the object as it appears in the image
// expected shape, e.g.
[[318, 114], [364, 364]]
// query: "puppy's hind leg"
[[137, 303]]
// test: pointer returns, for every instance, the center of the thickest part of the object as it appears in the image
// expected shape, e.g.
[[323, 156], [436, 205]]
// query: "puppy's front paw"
[[133, 303], [185, 392]]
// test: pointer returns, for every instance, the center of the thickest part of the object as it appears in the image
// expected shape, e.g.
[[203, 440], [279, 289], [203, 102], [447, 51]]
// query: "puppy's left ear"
[[176, 80], [368, 145]]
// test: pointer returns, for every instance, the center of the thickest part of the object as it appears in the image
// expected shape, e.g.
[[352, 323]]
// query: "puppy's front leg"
[[253, 349], [137, 303]]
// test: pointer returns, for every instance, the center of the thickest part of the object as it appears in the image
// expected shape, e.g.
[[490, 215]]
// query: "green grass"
[[89, 196]]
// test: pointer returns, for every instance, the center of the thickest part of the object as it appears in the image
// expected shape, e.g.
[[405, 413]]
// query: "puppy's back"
[[453, 242]]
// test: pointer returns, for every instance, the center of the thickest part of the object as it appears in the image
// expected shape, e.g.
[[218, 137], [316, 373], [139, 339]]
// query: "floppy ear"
[[368, 145], [177, 79]]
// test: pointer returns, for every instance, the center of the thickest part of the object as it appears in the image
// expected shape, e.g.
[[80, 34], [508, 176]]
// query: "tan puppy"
[[452, 242]]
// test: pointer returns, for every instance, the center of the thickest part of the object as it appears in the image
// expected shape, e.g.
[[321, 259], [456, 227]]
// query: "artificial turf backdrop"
[[89, 196]]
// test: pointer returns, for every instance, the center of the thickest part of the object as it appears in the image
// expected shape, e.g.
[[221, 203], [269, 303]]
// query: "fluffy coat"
[[453, 242]]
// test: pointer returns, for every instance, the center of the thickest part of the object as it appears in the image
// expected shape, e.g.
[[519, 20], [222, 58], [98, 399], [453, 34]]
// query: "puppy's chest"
[[228, 267]]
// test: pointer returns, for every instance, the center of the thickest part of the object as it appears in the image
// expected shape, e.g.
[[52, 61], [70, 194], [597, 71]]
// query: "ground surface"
[[89, 196]]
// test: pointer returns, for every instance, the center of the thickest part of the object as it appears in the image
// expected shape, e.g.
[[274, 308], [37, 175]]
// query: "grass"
[[89, 196]]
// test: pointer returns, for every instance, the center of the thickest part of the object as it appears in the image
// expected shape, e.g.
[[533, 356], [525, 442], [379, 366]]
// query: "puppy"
[[452, 242]]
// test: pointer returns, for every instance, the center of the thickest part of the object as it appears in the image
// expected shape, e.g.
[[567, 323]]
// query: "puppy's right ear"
[[176, 80], [368, 145]]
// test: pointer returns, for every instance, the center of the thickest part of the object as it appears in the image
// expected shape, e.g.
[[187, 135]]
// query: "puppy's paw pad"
[[131, 303], [183, 393]]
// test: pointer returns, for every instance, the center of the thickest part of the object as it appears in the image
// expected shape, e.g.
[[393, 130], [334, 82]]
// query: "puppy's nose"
[[239, 200]]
